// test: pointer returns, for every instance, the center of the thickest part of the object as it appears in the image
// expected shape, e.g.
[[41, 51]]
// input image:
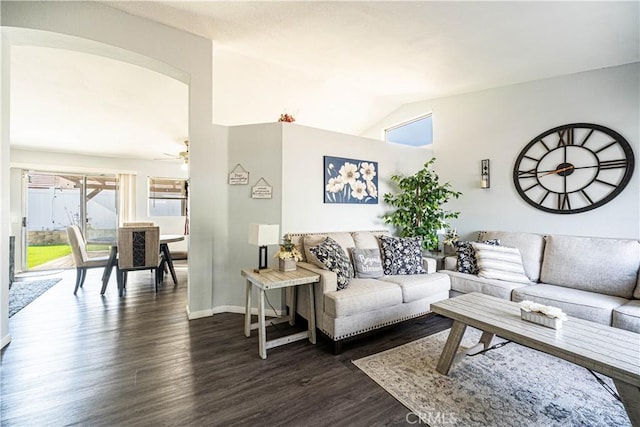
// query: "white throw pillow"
[[499, 262]]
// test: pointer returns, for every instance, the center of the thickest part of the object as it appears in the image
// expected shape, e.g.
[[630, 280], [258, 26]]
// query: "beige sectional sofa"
[[366, 303], [590, 278]]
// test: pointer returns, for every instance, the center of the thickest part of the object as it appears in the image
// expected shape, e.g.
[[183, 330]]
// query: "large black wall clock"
[[573, 168]]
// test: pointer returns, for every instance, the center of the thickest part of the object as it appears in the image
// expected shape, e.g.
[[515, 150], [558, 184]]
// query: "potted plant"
[[418, 204], [288, 254]]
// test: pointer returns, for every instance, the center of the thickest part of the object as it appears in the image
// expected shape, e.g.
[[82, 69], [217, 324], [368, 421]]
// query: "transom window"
[[416, 132]]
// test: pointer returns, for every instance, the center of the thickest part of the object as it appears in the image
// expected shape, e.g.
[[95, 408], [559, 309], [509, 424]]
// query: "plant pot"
[[449, 249], [287, 264]]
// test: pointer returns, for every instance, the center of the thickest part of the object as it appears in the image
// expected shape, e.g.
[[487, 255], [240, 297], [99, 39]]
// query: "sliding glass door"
[[100, 206], [55, 201]]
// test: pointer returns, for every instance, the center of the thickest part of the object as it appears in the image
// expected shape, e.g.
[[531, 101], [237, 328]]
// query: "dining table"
[[165, 239]]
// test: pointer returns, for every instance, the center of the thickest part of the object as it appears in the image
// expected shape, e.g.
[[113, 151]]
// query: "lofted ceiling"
[[335, 65]]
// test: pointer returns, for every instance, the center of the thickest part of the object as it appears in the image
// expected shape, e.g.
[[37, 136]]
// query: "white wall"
[[497, 123], [258, 148], [5, 217]]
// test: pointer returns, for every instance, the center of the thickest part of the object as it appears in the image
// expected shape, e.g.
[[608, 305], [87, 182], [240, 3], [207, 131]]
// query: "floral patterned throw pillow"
[[467, 256], [332, 256], [402, 255]]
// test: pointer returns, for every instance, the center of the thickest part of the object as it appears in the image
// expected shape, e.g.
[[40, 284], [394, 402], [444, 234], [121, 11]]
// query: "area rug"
[[22, 293], [508, 386]]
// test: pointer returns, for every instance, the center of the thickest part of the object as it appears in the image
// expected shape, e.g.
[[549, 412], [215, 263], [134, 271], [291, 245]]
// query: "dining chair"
[[81, 259], [138, 249]]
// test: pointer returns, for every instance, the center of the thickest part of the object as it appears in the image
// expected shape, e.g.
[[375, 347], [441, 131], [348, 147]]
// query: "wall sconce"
[[484, 174], [262, 235]]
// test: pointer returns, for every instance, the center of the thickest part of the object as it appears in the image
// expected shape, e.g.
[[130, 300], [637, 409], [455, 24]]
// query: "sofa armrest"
[[429, 264], [328, 279], [328, 283]]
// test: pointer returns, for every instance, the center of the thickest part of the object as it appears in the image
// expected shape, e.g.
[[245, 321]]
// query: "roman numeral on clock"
[[531, 173], [613, 164], [563, 202], [565, 137]]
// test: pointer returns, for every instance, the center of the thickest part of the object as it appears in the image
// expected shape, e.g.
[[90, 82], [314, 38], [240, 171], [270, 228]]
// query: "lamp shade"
[[264, 234]]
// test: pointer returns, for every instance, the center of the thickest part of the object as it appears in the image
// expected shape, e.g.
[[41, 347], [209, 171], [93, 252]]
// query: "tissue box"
[[541, 319]]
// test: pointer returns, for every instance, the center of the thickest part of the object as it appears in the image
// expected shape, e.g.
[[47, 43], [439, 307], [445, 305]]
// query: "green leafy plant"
[[418, 204], [288, 250]]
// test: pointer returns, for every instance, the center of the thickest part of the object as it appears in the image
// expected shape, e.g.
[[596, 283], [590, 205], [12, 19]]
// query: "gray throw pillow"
[[402, 255], [367, 263], [332, 256]]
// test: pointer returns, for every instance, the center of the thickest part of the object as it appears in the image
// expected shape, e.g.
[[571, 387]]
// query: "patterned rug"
[[22, 293], [508, 386]]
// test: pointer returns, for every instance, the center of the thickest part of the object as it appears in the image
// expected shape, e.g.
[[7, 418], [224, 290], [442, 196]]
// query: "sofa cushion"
[[531, 247], [499, 262], [330, 256], [627, 316], [636, 293], [605, 266], [365, 240], [361, 296], [418, 286], [367, 263], [575, 302], [467, 255], [401, 255], [310, 240], [467, 283]]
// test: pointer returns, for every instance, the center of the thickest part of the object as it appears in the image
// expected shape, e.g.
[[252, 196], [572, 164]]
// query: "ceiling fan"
[[182, 155]]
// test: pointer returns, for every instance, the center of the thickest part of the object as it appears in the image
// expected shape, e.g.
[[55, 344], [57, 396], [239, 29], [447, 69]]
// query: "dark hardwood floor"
[[137, 360]]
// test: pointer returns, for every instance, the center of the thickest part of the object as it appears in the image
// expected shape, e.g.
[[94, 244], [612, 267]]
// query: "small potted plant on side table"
[[288, 254], [448, 243]]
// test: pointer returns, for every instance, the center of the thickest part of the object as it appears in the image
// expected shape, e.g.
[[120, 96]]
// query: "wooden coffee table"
[[610, 351]]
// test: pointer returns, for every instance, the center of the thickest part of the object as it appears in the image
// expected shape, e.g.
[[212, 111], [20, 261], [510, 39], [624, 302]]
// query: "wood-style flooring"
[[137, 361]]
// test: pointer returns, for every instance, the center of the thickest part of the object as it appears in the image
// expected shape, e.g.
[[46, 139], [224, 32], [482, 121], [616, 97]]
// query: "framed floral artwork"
[[350, 181]]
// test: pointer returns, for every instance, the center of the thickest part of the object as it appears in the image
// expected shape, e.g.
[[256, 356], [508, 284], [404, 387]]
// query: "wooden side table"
[[438, 256], [275, 279]]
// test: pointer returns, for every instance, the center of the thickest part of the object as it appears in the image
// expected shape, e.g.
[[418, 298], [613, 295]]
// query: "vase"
[[287, 264], [449, 249]]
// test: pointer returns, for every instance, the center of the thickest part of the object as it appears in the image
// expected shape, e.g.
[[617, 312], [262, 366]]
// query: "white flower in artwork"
[[349, 173], [371, 188], [335, 185], [359, 190], [368, 171]]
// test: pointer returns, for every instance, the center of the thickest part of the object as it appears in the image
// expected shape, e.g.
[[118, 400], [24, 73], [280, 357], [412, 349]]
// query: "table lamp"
[[263, 235]]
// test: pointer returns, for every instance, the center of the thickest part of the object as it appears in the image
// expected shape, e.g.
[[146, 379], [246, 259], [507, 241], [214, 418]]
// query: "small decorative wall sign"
[[238, 175], [261, 190], [350, 181]]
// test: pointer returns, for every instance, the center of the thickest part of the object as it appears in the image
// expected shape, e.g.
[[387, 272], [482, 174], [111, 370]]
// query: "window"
[[167, 196], [417, 132]]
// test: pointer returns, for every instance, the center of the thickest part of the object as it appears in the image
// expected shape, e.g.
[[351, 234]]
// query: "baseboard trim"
[[5, 341], [191, 315]]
